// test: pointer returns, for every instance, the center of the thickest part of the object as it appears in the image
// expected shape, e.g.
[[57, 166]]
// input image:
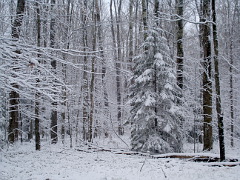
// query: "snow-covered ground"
[[57, 163]]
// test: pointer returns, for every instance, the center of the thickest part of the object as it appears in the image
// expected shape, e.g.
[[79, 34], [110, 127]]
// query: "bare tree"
[[37, 120], [14, 95], [85, 75], [180, 52], [217, 86], [117, 57], [54, 125], [207, 75]]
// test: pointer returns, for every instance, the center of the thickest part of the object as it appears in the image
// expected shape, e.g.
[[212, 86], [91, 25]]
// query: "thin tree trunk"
[[130, 34], [217, 86], [231, 69], [14, 95], [180, 53], [54, 128], [64, 71], [85, 75], [231, 93], [136, 28], [117, 53], [37, 95], [118, 67], [156, 13], [100, 41], [207, 81], [144, 19], [92, 86]]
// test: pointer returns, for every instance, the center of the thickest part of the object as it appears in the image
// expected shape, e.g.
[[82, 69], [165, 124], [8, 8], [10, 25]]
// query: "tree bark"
[[231, 92], [130, 34], [14, 95], [217, 86], [85, 75], [118, 68], [231, 35], [144, 20], [54, 125], [180, 53], [207, 75], [92, 84], [117, 54], [37, 95]]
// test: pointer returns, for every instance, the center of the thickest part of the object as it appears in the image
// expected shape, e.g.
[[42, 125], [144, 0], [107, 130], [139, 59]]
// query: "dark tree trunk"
[[92, 84], [217, 86], [117, 54], [130, 34], [14, 95], [54, 128], [144, 20], [231, 92], [85, 74], [118, 68], [155, 81], [180, 54], [37, 121], [207, 81]]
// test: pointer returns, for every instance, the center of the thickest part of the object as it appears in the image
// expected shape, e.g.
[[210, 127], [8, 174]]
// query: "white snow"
[[145, 76], [158, 56], [168, 86], [57, 163], [150, 100]]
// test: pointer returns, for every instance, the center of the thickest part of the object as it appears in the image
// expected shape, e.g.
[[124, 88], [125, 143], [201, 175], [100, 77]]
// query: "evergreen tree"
[[154, 95]]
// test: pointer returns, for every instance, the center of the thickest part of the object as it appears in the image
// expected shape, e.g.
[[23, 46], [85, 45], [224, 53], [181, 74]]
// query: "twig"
[[163, 172], [143, 163]]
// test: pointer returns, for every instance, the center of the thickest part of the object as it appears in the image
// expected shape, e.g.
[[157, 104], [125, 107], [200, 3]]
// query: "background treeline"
[[70, 71]]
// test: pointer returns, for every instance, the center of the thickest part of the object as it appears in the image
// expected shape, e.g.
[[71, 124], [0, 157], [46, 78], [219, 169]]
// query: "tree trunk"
[[144, 20], [180, 53], [118, 67], [217, 86], [130, 61], [92, 86], [155, 81], [37, 95], [101, 50], [54, 128], [231, 92], [64, 71], [14, 95], [207, 81], [117, 54], [85, 75], [231, 35]]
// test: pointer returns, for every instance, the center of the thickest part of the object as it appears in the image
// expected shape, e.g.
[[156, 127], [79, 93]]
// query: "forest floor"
[[54, 162]]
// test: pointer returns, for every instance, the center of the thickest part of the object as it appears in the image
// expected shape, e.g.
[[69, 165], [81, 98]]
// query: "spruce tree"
[[154, 96]]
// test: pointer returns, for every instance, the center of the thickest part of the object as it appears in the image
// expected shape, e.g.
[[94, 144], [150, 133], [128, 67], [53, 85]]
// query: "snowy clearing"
[[58, 163]]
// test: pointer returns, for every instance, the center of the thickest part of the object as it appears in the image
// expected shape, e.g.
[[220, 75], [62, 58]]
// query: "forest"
[[122, 89]]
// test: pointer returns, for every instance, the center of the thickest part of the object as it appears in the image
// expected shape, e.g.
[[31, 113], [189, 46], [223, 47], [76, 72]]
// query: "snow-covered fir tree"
[[155, 116]]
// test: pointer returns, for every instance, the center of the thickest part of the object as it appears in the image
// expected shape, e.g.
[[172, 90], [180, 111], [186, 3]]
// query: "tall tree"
[[231, 32], [85, 83], [37, 95], [205, 32], [180, 52], [117, 57], [92, 81], [14, 95], [54, 125], [217, 86], [103, 68], [130, 33]]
